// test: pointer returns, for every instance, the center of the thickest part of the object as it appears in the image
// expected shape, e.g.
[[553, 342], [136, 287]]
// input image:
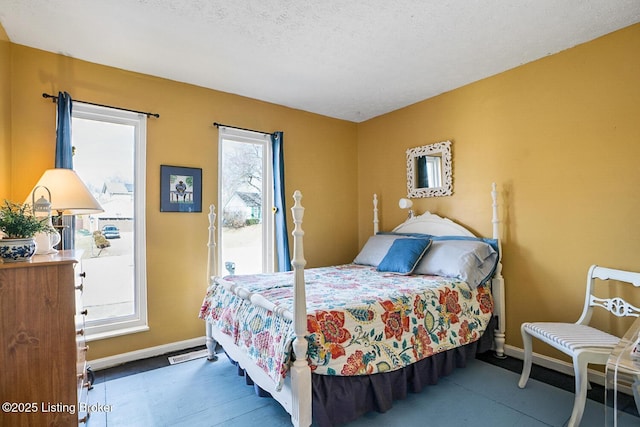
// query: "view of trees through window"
[[244, 234]]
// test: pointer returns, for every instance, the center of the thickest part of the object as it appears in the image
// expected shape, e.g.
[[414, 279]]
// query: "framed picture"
[[180, 189]]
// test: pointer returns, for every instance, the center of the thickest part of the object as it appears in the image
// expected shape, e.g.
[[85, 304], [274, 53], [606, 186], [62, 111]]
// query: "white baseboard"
[[119, 359]]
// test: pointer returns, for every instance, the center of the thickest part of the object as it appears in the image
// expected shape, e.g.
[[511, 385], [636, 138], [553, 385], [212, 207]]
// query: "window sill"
[[115, 333]]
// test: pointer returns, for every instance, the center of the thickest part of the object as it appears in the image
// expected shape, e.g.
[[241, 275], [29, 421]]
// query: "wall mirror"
[[429, 170]]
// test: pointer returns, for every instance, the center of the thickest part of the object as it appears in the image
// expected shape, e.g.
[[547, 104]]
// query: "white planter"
[[15, 250]]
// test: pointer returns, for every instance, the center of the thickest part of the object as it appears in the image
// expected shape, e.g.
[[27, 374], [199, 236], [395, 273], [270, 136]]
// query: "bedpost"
[[497, 283], [375, 215], [211, 271], [300, 370]]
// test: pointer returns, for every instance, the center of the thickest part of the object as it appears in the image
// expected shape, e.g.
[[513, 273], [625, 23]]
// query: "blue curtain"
[[64, 152], [64, 158], [282, 237]]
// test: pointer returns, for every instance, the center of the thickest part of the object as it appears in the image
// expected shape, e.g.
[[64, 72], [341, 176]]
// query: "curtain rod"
[[216, 124], [55, 99]]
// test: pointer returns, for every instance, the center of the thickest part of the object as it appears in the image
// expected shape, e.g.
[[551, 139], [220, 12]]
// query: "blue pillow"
[[404, 255]]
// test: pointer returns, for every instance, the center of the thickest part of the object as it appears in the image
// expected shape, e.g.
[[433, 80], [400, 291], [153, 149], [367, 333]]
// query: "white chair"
[[583, 343]]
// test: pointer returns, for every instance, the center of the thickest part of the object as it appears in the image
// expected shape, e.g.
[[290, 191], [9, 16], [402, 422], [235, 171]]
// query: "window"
[[429, 171], [245, 232], [109, 155]]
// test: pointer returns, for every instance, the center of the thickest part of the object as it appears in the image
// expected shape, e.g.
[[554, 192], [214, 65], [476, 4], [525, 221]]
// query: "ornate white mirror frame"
[[429, 170]]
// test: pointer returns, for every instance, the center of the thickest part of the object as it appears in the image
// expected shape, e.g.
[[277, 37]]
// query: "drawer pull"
[[86, 384], [83, 274], [85, 348], [80, 332], [79, 287], [84, 419], [84, 312]]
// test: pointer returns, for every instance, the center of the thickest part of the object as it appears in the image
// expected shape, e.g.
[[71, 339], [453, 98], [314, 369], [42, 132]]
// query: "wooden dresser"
[[43, 378]]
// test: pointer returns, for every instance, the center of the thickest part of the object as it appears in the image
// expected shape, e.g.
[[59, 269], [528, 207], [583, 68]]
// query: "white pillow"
[[376, 248], [468, 260]]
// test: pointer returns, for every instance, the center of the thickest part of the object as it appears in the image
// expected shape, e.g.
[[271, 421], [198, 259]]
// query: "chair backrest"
[[615, 305]]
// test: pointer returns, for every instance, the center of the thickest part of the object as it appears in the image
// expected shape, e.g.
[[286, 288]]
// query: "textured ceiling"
[[352, 60]]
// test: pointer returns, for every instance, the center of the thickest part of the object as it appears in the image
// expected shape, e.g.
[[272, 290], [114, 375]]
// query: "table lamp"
[[69, 195], [406, 204]]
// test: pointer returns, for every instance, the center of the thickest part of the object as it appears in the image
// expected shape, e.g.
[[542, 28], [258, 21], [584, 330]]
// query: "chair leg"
[[526, 366], [580, 371]]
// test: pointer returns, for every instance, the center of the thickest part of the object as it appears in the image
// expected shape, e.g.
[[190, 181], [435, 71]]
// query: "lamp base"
[[45, 243]]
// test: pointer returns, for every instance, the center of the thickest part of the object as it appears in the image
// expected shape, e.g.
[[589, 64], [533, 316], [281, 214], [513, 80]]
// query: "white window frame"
[[138, 321], [268, 233]]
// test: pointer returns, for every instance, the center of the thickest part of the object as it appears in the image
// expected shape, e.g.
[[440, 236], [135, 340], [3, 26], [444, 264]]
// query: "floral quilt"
[[359, 321]]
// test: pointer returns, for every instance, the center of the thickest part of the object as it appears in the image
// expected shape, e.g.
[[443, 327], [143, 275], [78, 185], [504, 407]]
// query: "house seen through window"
[[246, 199]]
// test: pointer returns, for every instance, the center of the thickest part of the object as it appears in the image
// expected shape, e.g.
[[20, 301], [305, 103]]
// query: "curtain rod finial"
[[54, 98]]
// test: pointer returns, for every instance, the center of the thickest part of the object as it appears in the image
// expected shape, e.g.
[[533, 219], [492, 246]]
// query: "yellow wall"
[[320, 158], [561, 138], [5, 114]]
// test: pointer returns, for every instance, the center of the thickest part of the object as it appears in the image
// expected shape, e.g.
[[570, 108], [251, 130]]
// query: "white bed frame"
[[295, 395]]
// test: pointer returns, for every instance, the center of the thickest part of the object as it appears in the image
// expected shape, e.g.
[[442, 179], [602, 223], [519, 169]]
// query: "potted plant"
[[18, 226]]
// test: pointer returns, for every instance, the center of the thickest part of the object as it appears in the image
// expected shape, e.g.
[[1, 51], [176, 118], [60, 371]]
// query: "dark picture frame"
[[180, 189]]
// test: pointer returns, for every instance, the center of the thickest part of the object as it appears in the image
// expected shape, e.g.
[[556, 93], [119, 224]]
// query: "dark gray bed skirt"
[[338, 399]]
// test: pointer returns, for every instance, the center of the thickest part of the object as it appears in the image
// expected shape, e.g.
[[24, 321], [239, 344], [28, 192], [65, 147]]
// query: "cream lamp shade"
[[69, 195], [406, 204]]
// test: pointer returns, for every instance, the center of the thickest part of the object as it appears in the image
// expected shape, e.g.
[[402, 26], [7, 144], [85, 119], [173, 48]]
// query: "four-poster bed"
[[408, 324]]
